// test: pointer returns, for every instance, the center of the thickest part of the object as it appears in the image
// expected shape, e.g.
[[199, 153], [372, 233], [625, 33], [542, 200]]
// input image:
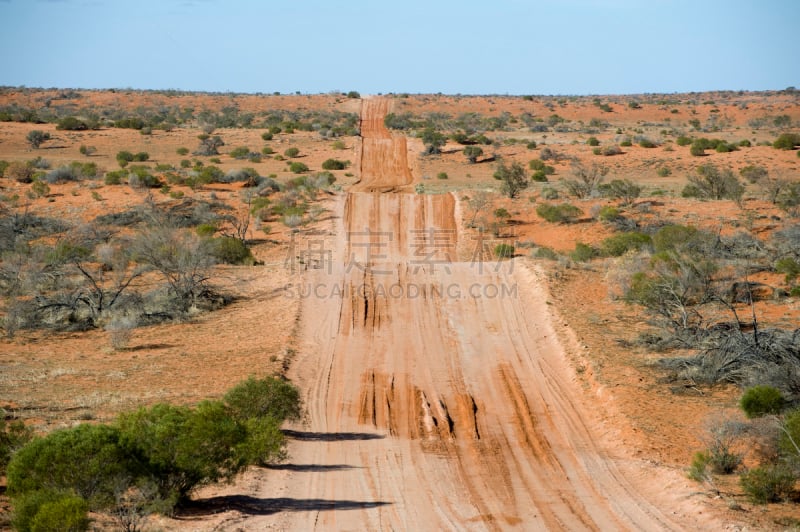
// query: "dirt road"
[[438, 388]]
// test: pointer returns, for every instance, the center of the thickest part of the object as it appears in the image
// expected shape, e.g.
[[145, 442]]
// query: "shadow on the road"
[[331, 436], [309, 468], [255, 506]]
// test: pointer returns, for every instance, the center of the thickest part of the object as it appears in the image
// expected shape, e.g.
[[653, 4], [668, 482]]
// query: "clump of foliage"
[[513, 177], [563, 213], [761, 400]]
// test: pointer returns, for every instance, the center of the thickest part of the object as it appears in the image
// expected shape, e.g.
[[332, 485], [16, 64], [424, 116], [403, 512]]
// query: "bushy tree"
[[761, 400], [472, 153], [37, 137], [513, 177], [433, 141], [714, 183], [269, 397]]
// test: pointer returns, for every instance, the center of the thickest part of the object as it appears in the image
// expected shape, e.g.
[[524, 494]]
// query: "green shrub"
[[36, 138], [564, 213], [531, 145], [334, 164], [790, 438], [240, 153], [267, 136], [761, 400], [618, 245], [86, 459], [70, 123], [539, 176], [182, 151], [353, 95], [697, 149], [549, 193], [266, 150], [291, 152], [12, 437], [27, 506], [592, 141], [3, 166], [608, 213], [744, 143], [230, 250], [583, 252], [683, 140], [647, 143], [115, 177], [298, 168], [504, 251], [338, 145], [787, 141], [67, 514], [442, 175], [260, 398], [664, 171], [544, 252], [670, 237], [698, 470], [627, 143], [772, 483], [141, 157], [472, 153], [597, 151], [789, 267], [186, 163]]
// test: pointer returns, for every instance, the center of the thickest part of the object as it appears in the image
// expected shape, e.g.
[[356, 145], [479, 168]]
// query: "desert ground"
[[444, 388]]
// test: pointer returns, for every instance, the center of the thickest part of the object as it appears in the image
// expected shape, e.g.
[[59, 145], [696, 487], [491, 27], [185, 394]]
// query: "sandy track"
[[438, 392]]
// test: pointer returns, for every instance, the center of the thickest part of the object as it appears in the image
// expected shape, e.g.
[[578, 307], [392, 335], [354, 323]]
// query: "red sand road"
[[440, 396]]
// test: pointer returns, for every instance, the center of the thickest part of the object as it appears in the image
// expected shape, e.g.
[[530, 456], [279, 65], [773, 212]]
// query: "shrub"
[[608, 213], [338, 145], [114, 178], [622, 189], [472, 153], [787, 141], [647, 143], [267, 136], [513, 177], [788, 266], [564, 213], [29, 505], [3, 166], [592, 141], [771, 483], [549, 193], [442, 175], [725, 147], [698, 470], [583, 252], [433, 141], [504, 251], [240, 153], [40, 188], [298, 168], [761, 400], [88, 151], [266, 150], [671, 237], [141, 157], [334, 164], [20, 172], [86, 459], [260, 398], [291, 152], [545, 253], [683, 140], [124, 157], [182, 151], [712, 183], [753, 173], [609, 151], [70, 123], [353, 95], [12, 437], [539, 176], [538, 165], [617, 245], [531, 145], [68, 513], [209, 145], [626, 143], [230, 250], [697, 149], [36, 138]]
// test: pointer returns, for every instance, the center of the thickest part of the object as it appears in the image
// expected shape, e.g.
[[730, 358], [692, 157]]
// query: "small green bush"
[[787, 141], [789, 267], [564, 213], [583, 252], [698, 470], [531, 145], [70, 123], [627, 143], [298, 167], [618, 245], [504, 251], [267, 136], [608, 213], [260, 398], [761, 400], [772, 483], [67, 514], [231, 250], [647, 143], [291, 152], [86, 459], [664, 171], [544, 252], [334, 164], [267, 150], [683, 140], [29, 505], [182, 151], [37, 137], [240, 153], [592, 141], [13, 436], [442, 175], [697, 149]]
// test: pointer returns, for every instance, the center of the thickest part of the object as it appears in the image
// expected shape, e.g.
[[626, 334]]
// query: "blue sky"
[[461, 46]]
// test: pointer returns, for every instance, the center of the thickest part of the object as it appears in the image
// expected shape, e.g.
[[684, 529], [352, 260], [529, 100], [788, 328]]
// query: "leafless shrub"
[[120, 329]]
